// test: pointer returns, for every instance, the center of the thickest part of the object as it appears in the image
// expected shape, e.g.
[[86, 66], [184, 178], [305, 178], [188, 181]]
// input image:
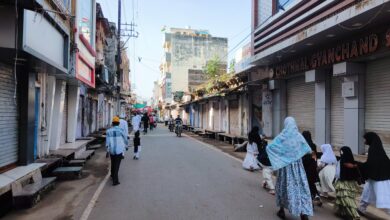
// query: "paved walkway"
[[181, 178]]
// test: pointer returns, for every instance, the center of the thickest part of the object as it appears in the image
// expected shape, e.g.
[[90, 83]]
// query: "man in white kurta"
[[136, 121]]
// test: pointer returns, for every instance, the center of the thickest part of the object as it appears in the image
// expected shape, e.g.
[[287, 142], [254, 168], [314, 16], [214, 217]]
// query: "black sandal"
[[281, 214], [304, 217]]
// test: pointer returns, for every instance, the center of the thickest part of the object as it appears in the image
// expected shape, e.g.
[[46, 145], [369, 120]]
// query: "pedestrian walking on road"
[[347, 187], [136, 122], [292, 189], [250, 161], [145, 120], [310, 164], [116, 143], [151, 122], [124, 125], [137, 145], [263, 160], [377, 172], [327, 169]]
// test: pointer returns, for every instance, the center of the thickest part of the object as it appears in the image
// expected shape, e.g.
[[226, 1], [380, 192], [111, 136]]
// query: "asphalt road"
[[181, 178]]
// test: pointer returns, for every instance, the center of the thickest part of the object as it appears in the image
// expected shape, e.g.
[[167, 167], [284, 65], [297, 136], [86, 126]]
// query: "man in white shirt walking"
[[136, 121]]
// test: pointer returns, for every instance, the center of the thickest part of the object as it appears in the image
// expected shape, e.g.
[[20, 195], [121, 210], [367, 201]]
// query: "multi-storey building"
[[327, 64], [186, 53]]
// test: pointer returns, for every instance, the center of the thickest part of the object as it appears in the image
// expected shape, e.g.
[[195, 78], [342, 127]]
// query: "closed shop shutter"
[[336, 114], [64, 118], [197, 115], [377, 115], [9, 117], [224, 116], [204, 116], [95, 116], [301, 103], [216, 117], [79, 130], [233, 117]]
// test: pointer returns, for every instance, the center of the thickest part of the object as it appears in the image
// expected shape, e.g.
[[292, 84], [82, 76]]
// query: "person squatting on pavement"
[[250, 161], [116, 143], [327, 169], [137, 145], [292, 189]]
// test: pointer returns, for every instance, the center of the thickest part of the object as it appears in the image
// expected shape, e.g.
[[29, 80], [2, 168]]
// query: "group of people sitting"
[[299, 170]]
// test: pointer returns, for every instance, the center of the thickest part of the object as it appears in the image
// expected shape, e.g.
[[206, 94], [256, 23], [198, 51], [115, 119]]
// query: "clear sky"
[[223, 18]]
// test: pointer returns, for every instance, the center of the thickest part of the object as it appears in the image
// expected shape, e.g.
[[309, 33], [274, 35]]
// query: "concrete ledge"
[[17, 174], [68, 149]]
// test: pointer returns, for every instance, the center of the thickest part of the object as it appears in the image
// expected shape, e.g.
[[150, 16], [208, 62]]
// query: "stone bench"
[[66, 173], [225, 137], [213, 133], [75, 163], [86, 155], [30, 194]]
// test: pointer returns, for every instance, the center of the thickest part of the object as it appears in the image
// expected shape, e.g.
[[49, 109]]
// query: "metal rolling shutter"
[[233, 117], [64, 119], [8, 117], [336, 114], [377, 115], [95, 116], [216, 116], [224, 116], [204, 116], [301, 103]]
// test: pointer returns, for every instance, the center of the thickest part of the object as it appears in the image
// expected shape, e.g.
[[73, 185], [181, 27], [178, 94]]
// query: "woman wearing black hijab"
[[346, 186], [310, 165], [377, 172]]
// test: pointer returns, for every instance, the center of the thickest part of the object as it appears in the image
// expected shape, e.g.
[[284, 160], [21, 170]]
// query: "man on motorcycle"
[[178, 123], [170, 123], [178, 120]]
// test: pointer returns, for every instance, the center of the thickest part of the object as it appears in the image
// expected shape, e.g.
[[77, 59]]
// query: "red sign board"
[[85, 71]]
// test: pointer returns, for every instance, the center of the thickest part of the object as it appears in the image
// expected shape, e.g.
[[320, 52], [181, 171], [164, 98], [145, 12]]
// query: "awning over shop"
[[139, 105]]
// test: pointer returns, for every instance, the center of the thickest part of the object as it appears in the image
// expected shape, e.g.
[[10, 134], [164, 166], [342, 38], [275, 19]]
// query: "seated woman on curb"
[[250, 161], [327, 169]]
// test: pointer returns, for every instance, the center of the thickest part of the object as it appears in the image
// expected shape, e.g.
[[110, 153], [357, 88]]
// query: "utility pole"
[[118, 60], [129, 33]]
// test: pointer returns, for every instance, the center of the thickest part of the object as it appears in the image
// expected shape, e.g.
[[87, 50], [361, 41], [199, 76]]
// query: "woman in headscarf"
[[346, 186], [310, 165], [250, 162], [377, 172], [292, 189], [327, 169]]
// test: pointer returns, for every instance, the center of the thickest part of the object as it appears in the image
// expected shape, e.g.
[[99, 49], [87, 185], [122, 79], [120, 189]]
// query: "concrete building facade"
[[186, 53], [326, 64]]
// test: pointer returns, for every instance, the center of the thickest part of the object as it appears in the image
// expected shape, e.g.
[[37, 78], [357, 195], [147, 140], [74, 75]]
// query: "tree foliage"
[[214, 68], [232, 66]]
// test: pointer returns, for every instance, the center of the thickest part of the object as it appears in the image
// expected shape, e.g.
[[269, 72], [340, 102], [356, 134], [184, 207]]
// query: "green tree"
[[232, 66], [214, 68]]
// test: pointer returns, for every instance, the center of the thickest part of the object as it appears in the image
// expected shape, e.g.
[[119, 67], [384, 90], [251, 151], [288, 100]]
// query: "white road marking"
[[94, 199], [96, 195]]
